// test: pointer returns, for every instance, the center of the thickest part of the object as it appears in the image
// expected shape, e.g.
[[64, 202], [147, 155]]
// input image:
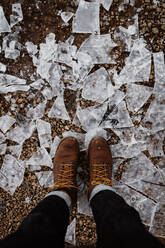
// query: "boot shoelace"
[[100, 175]]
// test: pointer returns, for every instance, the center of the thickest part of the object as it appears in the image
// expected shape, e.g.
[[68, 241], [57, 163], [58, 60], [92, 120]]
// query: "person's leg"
[[118, 224], [47, 223]]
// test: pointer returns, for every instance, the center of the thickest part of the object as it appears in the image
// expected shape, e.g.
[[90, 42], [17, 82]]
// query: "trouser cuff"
[[62, 195], [99, 188]]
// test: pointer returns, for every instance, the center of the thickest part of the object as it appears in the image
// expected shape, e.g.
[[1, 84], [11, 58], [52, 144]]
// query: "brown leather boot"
[[65, 167], [100, 160]]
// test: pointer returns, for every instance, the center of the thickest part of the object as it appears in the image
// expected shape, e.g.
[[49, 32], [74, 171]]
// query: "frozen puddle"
[[118, 107]]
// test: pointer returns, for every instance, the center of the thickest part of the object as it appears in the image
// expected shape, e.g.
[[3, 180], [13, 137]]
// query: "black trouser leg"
[[118, 224], [45, 225]]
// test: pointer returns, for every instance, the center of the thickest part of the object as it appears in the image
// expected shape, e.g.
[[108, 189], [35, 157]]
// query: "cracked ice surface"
[[4, 26], [6, 122], [158, 223], [11, 174], [17, 15], [9, 83], [45, 178], [159, 67], [44, 133], [97, 86], [87, 18]]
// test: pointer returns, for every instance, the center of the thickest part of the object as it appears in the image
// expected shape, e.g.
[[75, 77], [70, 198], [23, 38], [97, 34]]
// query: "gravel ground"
[[41, 18]]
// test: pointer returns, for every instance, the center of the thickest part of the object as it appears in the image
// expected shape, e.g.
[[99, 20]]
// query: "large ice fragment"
[[15, 150], [155, 144], [91, 117], [37, 112], [20, 133], [41, 157], [70, 236], [4, 26], [156, 113], [58, 109], [136, 96], [97, 86], [87, 18], [159, 67], [11, 174], [3, 149], [99, 48], [6, 122], [54, 146], [106, 4], [44, 133], [9, 83], [45, 178], [118, 118], [126, 150], [137, 168], [17, 15], [135, 70], [158, 223]]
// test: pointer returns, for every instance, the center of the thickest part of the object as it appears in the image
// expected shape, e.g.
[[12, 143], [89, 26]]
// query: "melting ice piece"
[[155, 144], [138, 65], [37, 112], [44, 133], [4, 26], [79, 136], [37, 84], [126, 135], [58, 109], [2, 138], [31, 48], [15, 150], [54, 146], [82, 201], [70, 236], [91, 117], [87, 18], [17, 15], [106, 4], [95, 132], [41, 157], [137, 168], [144, 206], [126, 150], [136, 96], [153, 186], [66, 16], [97, 86], [11, 52], [115, 99], [9, 83], [159, 67], [156, 113], [20, 133], [47, 93], [3, 149], [2, 67], [6, 122], [118, 118], [158, 224], [11, 174], [125, 35], [45, 178], [99, 47]]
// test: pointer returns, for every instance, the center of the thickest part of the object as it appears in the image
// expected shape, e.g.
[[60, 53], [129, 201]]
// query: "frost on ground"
[[117, 105]]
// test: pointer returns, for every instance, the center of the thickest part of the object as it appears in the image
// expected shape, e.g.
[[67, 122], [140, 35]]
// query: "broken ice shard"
[[54, 146], [9, 83], [37, 112], [159, 67], [31, 48], [87, 18], [136, 96], [126, 135], [6, 122], [156, 113], [41, 157], [158, 223], [138, 65], [66, 16], [3, 149], [20, 133], [4, 26], [11, 174], [118, 118], [2, 67], [99, 48], [15, 150], [44, 133], [58, 109], [106, 4], [155, 144], [91, 117], [97, 86], [126, 150], [45, 178], [17, 15], [2, 138], [70, 236], [137, 168]]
